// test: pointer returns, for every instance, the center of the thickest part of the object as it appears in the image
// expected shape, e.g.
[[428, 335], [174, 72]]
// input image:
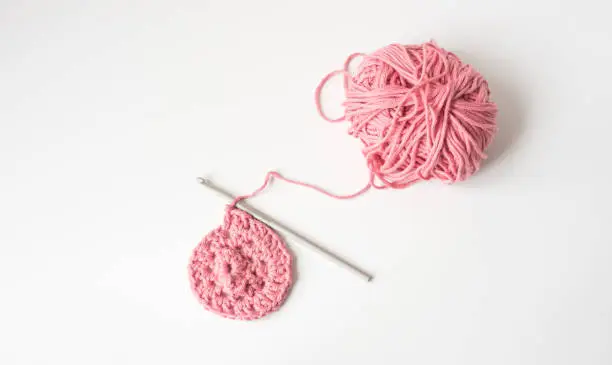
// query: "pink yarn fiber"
[[242, 269], [420, 113]]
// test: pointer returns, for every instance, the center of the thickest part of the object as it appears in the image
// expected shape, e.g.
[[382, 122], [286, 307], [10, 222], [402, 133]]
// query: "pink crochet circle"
[[242, 269]]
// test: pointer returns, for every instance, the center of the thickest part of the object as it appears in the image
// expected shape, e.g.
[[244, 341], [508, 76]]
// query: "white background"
[[110, 109]]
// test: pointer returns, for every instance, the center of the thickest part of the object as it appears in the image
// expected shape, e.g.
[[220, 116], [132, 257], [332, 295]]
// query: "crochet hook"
[[297, 237]]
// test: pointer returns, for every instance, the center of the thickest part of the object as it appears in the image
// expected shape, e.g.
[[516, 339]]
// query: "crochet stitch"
[[242, 269]]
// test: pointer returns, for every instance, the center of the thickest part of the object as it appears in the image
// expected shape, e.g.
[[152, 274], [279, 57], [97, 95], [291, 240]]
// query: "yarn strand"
[[273, 174], [419, 112]]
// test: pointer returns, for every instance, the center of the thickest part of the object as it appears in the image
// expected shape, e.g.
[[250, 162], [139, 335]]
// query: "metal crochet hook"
[[297, 237]]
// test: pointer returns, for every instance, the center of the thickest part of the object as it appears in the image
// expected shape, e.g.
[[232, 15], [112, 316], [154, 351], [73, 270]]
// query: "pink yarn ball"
[[242, 269], [420, 112]]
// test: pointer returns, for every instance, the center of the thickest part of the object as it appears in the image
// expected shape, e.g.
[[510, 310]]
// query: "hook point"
[[203, 181]]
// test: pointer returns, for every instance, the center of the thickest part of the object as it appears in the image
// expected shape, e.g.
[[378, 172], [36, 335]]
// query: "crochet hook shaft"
[[298, 238]]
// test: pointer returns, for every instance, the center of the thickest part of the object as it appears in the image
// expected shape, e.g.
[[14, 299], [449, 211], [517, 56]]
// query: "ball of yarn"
[[420, 112], [242, 269]]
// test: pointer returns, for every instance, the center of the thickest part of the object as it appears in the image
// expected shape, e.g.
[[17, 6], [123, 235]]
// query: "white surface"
[[110, 109]]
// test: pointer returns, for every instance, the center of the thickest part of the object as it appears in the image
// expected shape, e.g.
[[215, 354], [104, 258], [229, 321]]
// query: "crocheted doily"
[[242, 269]]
